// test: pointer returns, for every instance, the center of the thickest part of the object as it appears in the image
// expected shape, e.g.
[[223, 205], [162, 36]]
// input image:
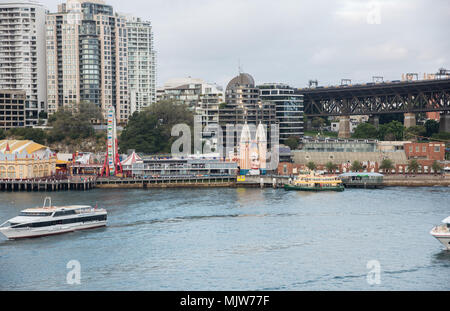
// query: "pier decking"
[[167, 182], [47, 184]]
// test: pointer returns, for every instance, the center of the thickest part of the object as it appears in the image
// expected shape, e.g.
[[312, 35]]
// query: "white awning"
[[446, 220]]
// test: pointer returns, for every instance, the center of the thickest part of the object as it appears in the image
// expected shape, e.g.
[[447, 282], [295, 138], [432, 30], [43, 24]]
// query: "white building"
[[195, 93], [141, 64], [201, 97], [23, 54]]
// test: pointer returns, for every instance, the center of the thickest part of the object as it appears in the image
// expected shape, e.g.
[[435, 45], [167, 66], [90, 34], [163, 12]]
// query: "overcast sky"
[[293, 41]]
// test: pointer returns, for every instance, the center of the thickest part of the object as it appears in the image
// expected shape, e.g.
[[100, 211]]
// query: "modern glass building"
[[288, 108], [87, 57]]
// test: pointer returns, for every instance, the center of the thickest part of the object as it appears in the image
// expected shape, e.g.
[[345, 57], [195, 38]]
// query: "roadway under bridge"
[[374, 99]]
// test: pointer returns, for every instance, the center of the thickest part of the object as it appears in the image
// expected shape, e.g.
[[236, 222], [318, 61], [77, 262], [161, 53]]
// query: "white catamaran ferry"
[[50, 220]]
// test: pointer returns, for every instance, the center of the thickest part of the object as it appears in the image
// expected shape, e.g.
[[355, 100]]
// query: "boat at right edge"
[[442, 233]]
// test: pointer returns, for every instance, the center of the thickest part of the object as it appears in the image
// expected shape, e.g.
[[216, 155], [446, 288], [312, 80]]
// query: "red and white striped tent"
[[130, 160]]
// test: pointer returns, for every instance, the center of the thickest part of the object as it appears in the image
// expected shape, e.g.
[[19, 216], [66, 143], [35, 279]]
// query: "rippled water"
[[237, 239]]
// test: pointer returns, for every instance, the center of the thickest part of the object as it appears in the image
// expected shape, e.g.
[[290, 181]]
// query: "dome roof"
[[242, 79]]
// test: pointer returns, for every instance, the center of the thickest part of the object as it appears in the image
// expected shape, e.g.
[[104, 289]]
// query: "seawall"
[[416, 180]]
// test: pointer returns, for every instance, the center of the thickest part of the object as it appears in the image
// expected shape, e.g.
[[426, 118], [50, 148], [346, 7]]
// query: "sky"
[[294, 41]]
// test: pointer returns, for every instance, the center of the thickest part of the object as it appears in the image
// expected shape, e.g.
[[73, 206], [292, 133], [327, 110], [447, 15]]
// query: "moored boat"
[[314, 182], [442, 233], [51, 220]]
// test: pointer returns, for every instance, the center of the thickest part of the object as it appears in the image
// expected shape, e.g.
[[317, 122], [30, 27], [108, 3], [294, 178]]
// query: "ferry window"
[[64, 213], [34, 214]]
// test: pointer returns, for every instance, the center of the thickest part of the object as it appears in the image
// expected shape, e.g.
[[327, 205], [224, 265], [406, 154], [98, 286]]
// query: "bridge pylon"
[[344, 127], [444, 123], [410, 120]]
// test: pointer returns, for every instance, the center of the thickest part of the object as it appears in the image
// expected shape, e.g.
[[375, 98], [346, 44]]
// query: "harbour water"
[[237, 239]]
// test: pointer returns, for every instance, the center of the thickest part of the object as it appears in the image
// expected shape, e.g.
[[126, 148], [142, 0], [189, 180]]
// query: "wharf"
[[166, 182], [50, 184], [274, 181]]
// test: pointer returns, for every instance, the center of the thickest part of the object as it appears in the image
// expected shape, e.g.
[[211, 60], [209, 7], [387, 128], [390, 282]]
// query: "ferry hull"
[[25, 233], [314, 189], [444, 239]]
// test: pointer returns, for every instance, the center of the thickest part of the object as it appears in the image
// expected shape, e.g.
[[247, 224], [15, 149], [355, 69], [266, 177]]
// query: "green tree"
[[36, 135], [437, 168], [365, 131], [431, 127], [331, 167], [149, 131], [74, 123], [356, 166], [387, 165], [391, 131], [311, 165], [413, 166], [292, 142], [2, 134], [414, 131], [318, 123], [443, 136]]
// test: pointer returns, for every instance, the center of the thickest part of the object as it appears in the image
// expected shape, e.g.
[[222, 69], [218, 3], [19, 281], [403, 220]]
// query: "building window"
[[11, 172], [437, 149]]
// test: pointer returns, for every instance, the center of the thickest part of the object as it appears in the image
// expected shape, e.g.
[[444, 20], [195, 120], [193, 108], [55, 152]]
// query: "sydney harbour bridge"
[[373, 99]]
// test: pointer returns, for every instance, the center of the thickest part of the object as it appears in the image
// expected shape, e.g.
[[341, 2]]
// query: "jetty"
[[48, 184]]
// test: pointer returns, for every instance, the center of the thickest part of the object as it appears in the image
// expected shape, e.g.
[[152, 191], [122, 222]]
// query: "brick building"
[[425, 153]]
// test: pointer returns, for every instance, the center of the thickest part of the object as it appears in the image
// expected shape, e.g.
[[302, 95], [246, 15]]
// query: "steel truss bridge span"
[[378, 98]]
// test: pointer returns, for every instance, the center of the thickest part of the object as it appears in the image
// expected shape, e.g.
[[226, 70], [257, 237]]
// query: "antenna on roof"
[[239, 66]]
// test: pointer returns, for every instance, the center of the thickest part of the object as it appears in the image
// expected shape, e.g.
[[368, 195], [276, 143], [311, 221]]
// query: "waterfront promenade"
[[82, 183]]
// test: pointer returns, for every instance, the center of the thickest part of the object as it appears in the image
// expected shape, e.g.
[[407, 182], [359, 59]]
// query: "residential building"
[[12, 109], [141, 64], [87, 57], [243, 105], [288, 108], [195, 93], [201, 97], [22, 54]]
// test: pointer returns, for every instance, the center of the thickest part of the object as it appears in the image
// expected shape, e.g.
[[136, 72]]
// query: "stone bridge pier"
[[410, 120], [344, 127], [444, 124]]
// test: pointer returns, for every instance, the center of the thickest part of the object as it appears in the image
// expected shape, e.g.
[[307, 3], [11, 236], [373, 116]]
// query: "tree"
[[365, 131], [414, 131], [331, 167], [391, 131], [356, 166], [149, 131], [431, 127], [311, 165], [292, 142], [2, 134], [413, 166], [318, 123], [387, 165], [443, 136], [74, 123], [437, 168], [36, 135]]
